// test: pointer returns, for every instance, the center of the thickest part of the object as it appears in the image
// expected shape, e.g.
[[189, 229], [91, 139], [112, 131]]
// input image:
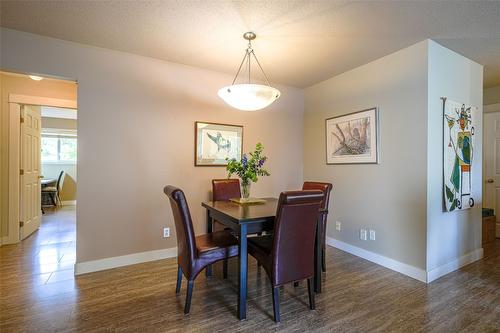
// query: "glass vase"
[[245, 190]]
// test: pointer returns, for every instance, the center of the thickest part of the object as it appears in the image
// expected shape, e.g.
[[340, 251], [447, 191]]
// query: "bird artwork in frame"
[[352, 138], [216, 143]]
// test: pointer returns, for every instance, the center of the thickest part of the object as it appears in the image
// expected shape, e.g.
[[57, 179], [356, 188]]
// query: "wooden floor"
[[39, 294]]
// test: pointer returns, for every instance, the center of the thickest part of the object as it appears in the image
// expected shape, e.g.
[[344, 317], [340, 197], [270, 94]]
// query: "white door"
[[491, 175], [30, 206]]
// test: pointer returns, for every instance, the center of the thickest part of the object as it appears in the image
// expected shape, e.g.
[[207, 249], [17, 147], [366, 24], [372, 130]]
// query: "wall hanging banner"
[[458, 154]]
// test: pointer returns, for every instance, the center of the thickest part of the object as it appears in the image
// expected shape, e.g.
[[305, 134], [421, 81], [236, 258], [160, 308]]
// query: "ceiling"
[[298, 43]]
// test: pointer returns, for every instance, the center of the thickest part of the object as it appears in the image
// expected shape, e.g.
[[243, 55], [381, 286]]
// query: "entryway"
[[491, 172]]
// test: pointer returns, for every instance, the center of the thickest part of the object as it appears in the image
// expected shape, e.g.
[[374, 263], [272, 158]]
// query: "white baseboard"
[[129, 259], [68, 203], [442, 270], [411, 271]]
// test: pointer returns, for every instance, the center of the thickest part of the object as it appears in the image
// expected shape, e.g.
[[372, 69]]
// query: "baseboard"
[[129, 259], [464, 260], [68, 203], [408, 270]]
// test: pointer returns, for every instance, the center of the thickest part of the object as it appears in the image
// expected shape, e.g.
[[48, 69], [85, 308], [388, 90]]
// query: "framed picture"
[[216, 142], [353, 138]]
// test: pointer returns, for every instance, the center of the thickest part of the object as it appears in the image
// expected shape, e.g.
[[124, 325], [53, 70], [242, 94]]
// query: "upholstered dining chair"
[[195, 252], [54, 192], [326, 188], [288, 254], [224, 190]]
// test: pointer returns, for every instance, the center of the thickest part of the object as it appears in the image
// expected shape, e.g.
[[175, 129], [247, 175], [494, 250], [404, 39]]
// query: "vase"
[[245, 190]]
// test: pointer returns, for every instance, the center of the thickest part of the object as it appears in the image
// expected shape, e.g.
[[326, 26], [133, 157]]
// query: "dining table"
[[47, 182], [247, 219]]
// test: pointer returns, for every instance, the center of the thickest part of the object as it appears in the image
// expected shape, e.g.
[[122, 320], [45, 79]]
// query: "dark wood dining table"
[[248, 219]]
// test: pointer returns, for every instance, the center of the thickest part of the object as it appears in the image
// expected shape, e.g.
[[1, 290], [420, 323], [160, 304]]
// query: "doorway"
[[37, 119], [491, 162]]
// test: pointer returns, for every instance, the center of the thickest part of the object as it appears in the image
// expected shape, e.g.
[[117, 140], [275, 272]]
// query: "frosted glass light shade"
[[249, 97]]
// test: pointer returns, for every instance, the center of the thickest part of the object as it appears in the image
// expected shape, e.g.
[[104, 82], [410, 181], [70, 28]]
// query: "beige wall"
[[20, 84], [59, 123], [452, 235], [389, 197], [136, 134], [491, 95]]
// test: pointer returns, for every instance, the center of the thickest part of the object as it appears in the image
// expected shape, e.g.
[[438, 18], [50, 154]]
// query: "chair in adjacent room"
[[288, 254], [195, 252], [53, 192], [326, 188]]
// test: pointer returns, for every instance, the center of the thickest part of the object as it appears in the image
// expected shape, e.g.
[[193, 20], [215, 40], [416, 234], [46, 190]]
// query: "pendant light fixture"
[[249, 96]]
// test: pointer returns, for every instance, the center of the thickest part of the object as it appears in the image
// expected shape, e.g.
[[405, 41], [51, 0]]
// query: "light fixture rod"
[[258, 63], [239, 68], [248, 53]]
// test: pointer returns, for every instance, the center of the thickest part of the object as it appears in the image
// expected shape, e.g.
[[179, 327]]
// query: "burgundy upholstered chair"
[[326, 188], [288, 254], [224, 190], [195, 253]]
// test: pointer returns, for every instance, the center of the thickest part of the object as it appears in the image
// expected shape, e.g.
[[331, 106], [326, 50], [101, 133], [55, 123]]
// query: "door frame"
[[491, 108], [15, 102]]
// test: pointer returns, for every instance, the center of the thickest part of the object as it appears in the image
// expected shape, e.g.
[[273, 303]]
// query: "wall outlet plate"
[[166, 232], [338, 225], [372, 234], [362, 234]]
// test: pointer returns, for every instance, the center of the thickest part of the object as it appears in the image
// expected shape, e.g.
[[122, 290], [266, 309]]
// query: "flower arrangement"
[[248, 169]]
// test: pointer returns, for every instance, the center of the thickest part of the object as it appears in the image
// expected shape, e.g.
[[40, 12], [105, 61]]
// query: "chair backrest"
[[294, 234], [186, 243], [225, 189], [325, 187], [60, 181]]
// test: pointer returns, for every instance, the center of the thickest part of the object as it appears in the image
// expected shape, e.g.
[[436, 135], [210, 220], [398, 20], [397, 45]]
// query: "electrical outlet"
[[166, 232], [372, 234], [338, 225], [362, 234]]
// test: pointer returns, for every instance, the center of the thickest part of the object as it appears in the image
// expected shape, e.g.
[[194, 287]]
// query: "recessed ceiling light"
[[36, 78]]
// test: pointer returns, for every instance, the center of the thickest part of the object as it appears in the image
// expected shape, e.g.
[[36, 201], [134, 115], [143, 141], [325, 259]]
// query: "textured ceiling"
[[299, 43]]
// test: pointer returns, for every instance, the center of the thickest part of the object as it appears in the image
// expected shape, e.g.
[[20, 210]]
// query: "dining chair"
[[54, 191], [288, 254], [195, 252], [326, 188], [224, 190]]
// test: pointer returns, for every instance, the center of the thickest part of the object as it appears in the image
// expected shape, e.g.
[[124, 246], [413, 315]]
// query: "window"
[[58, 148]]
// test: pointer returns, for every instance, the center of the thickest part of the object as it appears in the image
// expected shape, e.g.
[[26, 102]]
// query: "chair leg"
[[276, 304], [179, 280], [189, 295], [224, 268], [52, 199], [310, 290], [323, 260]]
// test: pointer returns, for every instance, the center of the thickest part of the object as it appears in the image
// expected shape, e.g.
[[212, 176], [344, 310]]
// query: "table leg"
[[242, 272], [317, 257], [208, 270]]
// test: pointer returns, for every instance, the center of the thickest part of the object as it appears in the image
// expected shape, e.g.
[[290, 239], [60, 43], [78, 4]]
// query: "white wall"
[[453, 235], [136, 134], [389, 197]]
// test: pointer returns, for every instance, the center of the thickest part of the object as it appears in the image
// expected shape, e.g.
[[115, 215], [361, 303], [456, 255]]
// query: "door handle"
[[490, 181], [40, 177]]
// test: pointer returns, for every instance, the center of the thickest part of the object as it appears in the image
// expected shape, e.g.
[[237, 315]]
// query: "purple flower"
[[244, 161], [261, 162]]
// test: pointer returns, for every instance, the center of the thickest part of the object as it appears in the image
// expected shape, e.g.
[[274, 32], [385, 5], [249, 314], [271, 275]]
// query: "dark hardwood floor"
[[39, 294]]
